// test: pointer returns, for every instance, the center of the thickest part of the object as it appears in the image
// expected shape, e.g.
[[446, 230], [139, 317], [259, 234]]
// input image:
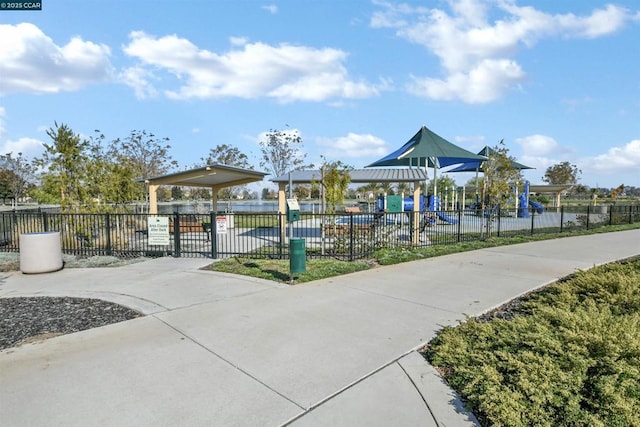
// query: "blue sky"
[[557, 80]]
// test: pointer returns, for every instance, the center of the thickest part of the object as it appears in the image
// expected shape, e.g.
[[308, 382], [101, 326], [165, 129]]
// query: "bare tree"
[[282, 152], [228, 155], [17, 176]]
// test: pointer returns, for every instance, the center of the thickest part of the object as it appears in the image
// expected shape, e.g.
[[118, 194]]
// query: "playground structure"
[[524, 202], [432, 209], [429, 207]]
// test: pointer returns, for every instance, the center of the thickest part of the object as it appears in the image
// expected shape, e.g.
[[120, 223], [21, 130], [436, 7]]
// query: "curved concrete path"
[[220, 350]]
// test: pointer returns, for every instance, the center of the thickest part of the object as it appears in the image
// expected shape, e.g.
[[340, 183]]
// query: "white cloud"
[[271, 8], [477, 55], [238, 41], [139, 79], [29, 147], [617, 160], [486, 82], [538, 145], [541, 151], [353, 145], [30, 61], [284, 72], [477, 141], [600, 23]]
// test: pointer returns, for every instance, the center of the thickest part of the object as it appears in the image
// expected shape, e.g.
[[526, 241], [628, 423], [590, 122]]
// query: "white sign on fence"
[[158, 230], [221, 225]]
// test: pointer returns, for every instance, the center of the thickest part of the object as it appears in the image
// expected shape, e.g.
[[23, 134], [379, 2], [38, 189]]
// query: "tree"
[[228, 155], [112, 180], [148, 154], [385, 187], [17, 176], [302, 191], [83, 174], [499, 176], [66, 160], [282, 152], [145, 153], [201, 193], [562, 173], [444, 184], [403, 188], [370, 189], [335, 180], [177, 193]]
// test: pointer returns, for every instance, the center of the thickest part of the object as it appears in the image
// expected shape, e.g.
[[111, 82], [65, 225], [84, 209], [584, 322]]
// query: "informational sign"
[[293, 205], [221, 225], [158, 230]]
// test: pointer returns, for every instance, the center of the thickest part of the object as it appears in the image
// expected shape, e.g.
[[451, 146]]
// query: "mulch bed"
[[31, 319]]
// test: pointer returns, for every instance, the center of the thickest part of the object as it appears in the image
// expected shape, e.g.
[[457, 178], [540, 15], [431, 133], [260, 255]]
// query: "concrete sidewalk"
[[218, 349]]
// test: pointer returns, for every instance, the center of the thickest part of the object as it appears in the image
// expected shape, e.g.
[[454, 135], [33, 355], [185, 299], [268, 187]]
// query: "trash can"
[[297, 256], [40, 252]]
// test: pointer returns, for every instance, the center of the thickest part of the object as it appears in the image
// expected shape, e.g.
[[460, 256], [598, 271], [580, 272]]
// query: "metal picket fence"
[[346, 236]]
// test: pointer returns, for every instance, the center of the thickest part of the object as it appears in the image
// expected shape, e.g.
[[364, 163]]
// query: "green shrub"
[[569, 356]]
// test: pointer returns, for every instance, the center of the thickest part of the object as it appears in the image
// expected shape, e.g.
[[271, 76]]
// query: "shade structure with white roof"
[[214, 176]]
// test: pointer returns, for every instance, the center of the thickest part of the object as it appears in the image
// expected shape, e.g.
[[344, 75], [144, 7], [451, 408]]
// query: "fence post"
[[45, 222], [176, 234], [351, 239], [280, 236], [561, 218], [459, 223], [533, 215], [499, 220], [630, 217], [611, 215], [107, 221], [588, 215], [214, 234]]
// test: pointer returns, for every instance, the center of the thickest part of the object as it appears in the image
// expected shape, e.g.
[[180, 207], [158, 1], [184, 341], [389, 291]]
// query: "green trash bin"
[[297, 256]]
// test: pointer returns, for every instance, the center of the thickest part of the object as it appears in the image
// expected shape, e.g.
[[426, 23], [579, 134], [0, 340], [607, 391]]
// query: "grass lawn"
[[278, 270]]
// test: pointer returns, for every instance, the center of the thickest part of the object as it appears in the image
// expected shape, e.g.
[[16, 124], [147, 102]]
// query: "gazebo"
[[214, 176]]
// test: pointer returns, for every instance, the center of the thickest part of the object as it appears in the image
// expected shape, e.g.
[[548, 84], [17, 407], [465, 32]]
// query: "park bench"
[[186, 224], [343, 229]]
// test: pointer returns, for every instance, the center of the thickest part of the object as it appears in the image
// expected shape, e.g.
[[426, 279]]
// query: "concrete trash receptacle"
[[40, 252]]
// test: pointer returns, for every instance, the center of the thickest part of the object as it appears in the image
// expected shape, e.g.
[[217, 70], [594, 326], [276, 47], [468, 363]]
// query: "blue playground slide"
[[446, 218], [537, 206], [523, 210]]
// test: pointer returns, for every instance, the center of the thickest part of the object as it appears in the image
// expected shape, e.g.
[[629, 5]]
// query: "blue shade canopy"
[[476, 165], [427, 148]]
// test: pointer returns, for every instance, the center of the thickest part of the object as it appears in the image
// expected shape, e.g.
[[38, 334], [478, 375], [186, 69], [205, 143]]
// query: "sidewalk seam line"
[[421, 395], [345, 388], [229, 362]]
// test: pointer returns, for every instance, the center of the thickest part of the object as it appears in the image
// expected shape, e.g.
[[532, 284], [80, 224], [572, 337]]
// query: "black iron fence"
[[346, 236]]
